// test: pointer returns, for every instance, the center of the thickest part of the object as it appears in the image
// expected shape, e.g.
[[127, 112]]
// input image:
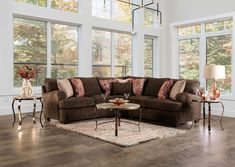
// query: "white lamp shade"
[[214, 72]]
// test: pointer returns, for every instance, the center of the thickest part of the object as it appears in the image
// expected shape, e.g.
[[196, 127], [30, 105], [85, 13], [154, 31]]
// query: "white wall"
[[180, 11]]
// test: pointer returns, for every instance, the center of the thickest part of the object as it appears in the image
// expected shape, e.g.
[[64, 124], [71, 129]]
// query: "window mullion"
[[202, 57], [112, 45], [233, 58], [49, 37], [49, 3]]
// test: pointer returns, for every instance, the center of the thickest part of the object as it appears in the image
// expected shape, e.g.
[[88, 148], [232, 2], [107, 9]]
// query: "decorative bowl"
[[118, 101]]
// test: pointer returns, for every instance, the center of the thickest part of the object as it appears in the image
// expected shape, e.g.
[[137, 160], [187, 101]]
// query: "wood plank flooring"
[[49, 146]]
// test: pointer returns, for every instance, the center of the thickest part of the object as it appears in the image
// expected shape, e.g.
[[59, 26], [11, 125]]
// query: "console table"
[[209, 102], [117, 109], [26, 98]]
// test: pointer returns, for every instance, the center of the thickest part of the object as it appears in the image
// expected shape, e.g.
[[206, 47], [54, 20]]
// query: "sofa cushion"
[[165, 89], [65, 86], [191, 86], [51, 84], [77, 102], [177, 88], [106, 85], [164, 105], [153, 86], [78, 87], [121, 88], [91, 86], [142, 100]]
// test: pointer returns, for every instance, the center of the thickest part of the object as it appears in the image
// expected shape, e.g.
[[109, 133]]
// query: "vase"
[[26, 89]]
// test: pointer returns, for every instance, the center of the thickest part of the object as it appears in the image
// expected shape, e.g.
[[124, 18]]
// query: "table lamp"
[[214, 72]]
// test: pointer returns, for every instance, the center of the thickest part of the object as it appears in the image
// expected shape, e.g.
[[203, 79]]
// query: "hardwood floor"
[[50, 146]]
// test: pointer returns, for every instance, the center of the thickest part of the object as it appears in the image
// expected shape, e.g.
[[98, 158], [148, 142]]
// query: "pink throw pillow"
[[138, 85], [106, 85], [78, 87], [165, 89]]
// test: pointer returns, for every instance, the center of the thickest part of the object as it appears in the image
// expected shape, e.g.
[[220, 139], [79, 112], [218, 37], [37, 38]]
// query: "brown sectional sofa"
[[164, 111]]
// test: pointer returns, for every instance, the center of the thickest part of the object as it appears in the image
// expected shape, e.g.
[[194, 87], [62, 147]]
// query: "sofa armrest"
[[51, 103], [185, 98]]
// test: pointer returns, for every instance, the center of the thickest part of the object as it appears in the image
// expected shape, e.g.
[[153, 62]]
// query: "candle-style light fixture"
[[140, 6]]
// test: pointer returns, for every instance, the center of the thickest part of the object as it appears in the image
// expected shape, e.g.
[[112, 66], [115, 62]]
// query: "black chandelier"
[[142, 5]]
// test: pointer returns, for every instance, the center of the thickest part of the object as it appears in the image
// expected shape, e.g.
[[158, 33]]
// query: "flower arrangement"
[[27, 72]]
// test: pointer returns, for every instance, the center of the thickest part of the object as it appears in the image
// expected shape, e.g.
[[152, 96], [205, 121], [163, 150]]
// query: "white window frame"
[[202, 47]]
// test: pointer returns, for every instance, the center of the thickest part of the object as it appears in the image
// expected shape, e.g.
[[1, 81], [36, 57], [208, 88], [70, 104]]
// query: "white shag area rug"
[[128, 134]]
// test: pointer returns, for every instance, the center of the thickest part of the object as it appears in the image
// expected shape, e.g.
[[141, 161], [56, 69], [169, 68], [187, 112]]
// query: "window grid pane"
[[101, 9], [65, 5], [189, 59], [148, 18], [30, 48], [123, 55], [219, 51], [148, 57], [64, 50], [122, 11], [34, 2], [225, 25], [101, 53], [189, 30]]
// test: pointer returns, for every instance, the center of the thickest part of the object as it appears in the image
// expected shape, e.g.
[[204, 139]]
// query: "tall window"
[[30, 48], [111, 54], [219, 50], [101, 53], [215, 38], [64, 50], [148, 57]]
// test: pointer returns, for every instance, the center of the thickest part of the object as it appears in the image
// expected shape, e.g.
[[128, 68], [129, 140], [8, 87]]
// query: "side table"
[[209, 102], [26, 98]]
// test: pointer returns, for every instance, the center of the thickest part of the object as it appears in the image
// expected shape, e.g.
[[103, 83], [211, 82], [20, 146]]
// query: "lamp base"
[[214, 92]]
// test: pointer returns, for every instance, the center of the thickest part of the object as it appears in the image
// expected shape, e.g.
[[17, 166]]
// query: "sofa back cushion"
[[106, 85], [50, 84], [191, 86], [177, 88], [91, 86], [65, 86], [121, 88], [153, 86]]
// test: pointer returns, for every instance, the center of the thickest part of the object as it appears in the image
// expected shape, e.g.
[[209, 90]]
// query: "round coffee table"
[[117, 109]]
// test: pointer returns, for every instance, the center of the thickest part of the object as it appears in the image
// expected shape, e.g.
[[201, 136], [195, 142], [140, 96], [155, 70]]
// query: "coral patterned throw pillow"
[[138, 85], [78, 87], [165, 89]]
